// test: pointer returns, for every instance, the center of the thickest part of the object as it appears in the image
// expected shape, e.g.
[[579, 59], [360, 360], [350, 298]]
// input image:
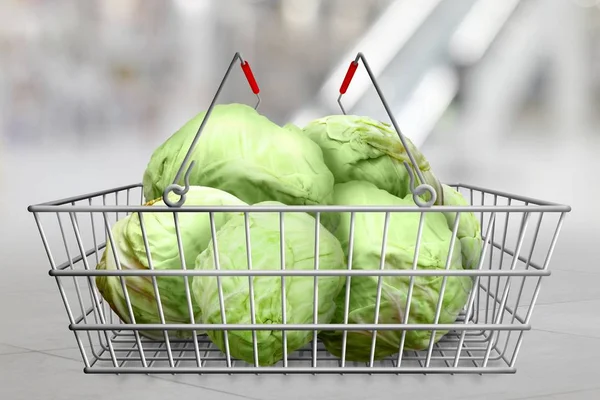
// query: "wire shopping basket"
[[519, 235]]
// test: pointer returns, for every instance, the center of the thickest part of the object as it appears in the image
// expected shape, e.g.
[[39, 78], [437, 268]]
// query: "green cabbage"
[[360, 148], [401, 241], [162, 242], [292, 127], [469, 228], [299, 234], [245, 154]]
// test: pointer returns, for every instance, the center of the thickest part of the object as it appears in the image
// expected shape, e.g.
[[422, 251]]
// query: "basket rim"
[[533, 205]]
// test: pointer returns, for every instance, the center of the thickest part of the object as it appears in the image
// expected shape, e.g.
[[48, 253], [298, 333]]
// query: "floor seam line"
[[565, 333]]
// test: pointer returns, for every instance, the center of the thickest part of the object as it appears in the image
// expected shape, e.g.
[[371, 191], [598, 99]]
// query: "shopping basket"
[[519, 235]]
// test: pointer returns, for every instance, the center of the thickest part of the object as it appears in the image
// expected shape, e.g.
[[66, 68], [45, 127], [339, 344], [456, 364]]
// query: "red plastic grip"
[[250, 77], [348, 77]]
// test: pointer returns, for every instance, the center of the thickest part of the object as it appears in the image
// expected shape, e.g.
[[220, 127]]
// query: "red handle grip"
[[348, 77], [250, 77]]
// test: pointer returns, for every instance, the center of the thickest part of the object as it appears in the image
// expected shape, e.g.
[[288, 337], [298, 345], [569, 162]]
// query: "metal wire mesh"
[[519, 237]]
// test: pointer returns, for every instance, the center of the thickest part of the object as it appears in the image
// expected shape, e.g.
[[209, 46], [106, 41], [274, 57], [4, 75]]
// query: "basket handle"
[[182, 190], [416, 190]]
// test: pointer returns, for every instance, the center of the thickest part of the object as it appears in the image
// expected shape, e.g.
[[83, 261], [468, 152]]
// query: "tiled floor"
[[39, 359]]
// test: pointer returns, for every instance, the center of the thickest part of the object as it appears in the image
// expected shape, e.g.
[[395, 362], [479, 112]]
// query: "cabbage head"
[[469, 228], [363, 149], [243, 153], [401, 241], [162, 242], [299, 240]]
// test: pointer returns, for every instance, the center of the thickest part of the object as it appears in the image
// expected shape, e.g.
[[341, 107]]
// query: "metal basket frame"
[[478, 342]]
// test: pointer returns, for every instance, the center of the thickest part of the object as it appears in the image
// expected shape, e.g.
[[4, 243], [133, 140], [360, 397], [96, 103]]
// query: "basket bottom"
[[123, 356]]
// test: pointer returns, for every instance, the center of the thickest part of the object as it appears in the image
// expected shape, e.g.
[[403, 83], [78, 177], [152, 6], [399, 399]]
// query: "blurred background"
[[499, 93], [502, 94], [471, 81]]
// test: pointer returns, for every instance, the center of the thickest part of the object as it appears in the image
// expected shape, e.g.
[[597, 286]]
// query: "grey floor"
[[558, 359]]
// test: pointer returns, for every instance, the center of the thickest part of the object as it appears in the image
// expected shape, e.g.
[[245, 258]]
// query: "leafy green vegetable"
[[293, 128], [299, 238], [360, 148], [469, 228], [161, 233], [401, 243], [245, 154]]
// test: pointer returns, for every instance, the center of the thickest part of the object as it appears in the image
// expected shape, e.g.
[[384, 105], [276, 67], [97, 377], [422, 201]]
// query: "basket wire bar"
[[347, 289], [379, 287], [410, 288], [283, 289], [316, 288], [251, 288], [213, 233], [485, 338], [96, 250], [186, 280], [155, 288], [438, 307], [86, 266], [471, 299], [287, 272]]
